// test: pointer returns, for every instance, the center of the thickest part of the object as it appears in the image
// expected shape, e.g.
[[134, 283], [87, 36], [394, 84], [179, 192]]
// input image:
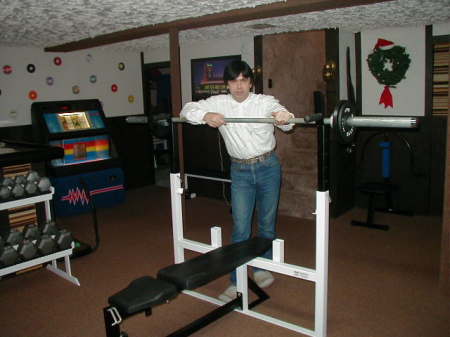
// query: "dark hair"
[[235, 68]]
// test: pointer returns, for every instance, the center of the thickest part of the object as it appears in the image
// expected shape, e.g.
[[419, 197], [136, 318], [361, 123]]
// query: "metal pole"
[[376, 122]]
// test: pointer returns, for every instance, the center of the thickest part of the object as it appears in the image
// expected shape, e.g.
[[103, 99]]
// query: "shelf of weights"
[[53, 258]]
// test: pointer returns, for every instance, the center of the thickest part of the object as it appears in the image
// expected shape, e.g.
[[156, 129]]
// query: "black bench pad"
[[214, 264], [142, 294]]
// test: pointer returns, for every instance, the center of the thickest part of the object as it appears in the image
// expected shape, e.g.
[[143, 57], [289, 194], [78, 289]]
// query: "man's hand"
[[282, 117], [214, 119]]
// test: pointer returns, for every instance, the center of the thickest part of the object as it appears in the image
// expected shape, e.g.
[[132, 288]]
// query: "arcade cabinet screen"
[[73, 121], [82, 150]]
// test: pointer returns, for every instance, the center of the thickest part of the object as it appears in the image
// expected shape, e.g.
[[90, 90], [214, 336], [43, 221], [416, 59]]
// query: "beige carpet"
[[381, 284]]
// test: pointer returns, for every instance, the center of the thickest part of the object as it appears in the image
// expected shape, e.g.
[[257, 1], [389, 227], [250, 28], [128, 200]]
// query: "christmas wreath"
[[388, 64]]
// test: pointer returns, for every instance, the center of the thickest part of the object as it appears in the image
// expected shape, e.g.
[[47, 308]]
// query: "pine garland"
[[379, 59]]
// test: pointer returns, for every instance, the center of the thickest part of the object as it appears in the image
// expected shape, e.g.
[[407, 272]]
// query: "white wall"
[[408, 94], [238, 46], [76, 69]]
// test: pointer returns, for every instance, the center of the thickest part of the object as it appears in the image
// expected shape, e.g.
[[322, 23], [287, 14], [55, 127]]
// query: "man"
[[255, 168]]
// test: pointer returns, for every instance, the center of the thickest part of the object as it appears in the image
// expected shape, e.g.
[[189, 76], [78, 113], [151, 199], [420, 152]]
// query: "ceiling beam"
[[281, 8]]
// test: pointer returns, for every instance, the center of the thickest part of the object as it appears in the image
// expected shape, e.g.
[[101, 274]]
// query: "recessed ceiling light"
[[261, 26]]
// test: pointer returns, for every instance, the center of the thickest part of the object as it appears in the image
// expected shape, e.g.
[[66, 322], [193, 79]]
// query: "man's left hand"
[[282, 117]]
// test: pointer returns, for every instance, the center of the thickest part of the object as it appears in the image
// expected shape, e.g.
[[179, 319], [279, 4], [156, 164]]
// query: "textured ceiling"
[[44, 23]]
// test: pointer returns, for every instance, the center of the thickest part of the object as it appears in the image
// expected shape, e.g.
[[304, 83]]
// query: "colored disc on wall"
[[121, 66], [57, 61], [93, 78], [7, 69], [49, 80], [114, 88], [131, 99], [31, 68], [76, 89], [32, 94]]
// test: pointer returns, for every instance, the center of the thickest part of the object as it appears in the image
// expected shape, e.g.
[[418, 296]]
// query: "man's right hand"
[[214, 119]]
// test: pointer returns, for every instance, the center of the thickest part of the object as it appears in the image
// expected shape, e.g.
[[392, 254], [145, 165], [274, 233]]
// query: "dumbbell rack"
[[65, 273]]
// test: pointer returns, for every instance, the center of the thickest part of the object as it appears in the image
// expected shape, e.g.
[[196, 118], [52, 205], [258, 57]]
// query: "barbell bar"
[[343, 121], [376, 122]]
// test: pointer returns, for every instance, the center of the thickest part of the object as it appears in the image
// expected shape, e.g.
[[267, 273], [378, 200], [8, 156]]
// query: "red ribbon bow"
[[386, 98]]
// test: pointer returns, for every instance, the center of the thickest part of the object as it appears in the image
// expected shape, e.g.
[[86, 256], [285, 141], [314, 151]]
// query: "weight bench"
[[146, 292]]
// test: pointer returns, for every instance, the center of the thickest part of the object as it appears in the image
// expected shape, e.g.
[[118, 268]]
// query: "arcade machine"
[[89, 175]]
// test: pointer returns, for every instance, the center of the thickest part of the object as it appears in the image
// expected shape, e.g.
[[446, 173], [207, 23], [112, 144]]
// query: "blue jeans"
[[255, 185]]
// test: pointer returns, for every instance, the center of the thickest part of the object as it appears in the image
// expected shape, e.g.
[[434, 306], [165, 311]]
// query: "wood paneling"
[[445, 250]]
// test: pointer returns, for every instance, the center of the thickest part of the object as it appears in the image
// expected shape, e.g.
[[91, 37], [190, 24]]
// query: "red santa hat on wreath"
[[383, 44]]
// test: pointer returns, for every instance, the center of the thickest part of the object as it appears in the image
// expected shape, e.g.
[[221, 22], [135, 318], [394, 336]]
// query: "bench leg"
[[112, 322]]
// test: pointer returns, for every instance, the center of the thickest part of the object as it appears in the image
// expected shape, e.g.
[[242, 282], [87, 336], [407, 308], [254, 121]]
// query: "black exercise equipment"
[[50, 228], [64, 239], [13, 236], [383, 188], [27, 250], [46, 245], [146, 292], [31, 232], [8, 256]]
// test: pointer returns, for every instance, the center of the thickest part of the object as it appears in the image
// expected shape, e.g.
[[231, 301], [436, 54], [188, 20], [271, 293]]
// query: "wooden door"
[[292, 70]]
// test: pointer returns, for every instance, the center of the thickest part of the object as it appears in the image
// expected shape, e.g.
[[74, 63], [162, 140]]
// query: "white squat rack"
[[318, 276], [65, 273]]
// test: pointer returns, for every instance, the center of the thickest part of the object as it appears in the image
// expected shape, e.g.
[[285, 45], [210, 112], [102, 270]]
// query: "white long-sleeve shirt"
[[243, 140]]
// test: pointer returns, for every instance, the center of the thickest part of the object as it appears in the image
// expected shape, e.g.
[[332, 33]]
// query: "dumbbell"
[[8, 182], [32, 177], [13, 237], [20, 180], [27, 250], [31, 232], [50, 228], [64, 239], [5, 192], [18, 191], [44, 184], [46, 245], [8, 256]]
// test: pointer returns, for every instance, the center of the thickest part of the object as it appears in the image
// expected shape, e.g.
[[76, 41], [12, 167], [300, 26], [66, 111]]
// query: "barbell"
[[343, 121]]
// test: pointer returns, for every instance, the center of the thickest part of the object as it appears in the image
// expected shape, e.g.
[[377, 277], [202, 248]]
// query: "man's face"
[[239, 88]]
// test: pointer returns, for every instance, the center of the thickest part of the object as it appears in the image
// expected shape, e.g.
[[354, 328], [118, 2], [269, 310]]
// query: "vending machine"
[[90, 170]]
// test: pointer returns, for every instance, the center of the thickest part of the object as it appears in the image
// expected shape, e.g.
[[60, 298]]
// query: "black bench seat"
[[146, 292], [208, 267], [142, 294]]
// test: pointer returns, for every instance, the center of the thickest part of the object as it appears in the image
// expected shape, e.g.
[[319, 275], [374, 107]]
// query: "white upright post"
[[322, 223], [176, 192]]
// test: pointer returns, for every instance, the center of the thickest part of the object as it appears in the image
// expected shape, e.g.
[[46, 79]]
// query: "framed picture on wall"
[[207, 76]]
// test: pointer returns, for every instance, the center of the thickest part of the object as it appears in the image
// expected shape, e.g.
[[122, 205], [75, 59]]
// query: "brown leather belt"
[[253, 160]]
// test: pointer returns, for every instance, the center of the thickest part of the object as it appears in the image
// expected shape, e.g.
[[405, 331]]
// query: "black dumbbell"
[[18, 191], [50, 228], [31, 188], [5, 192], [46, 245], [8, 182], [64, 239], [33, 177], [27, 250], [13, 237], [20, 180], [44, 184], [8, 256], [31, 232]]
